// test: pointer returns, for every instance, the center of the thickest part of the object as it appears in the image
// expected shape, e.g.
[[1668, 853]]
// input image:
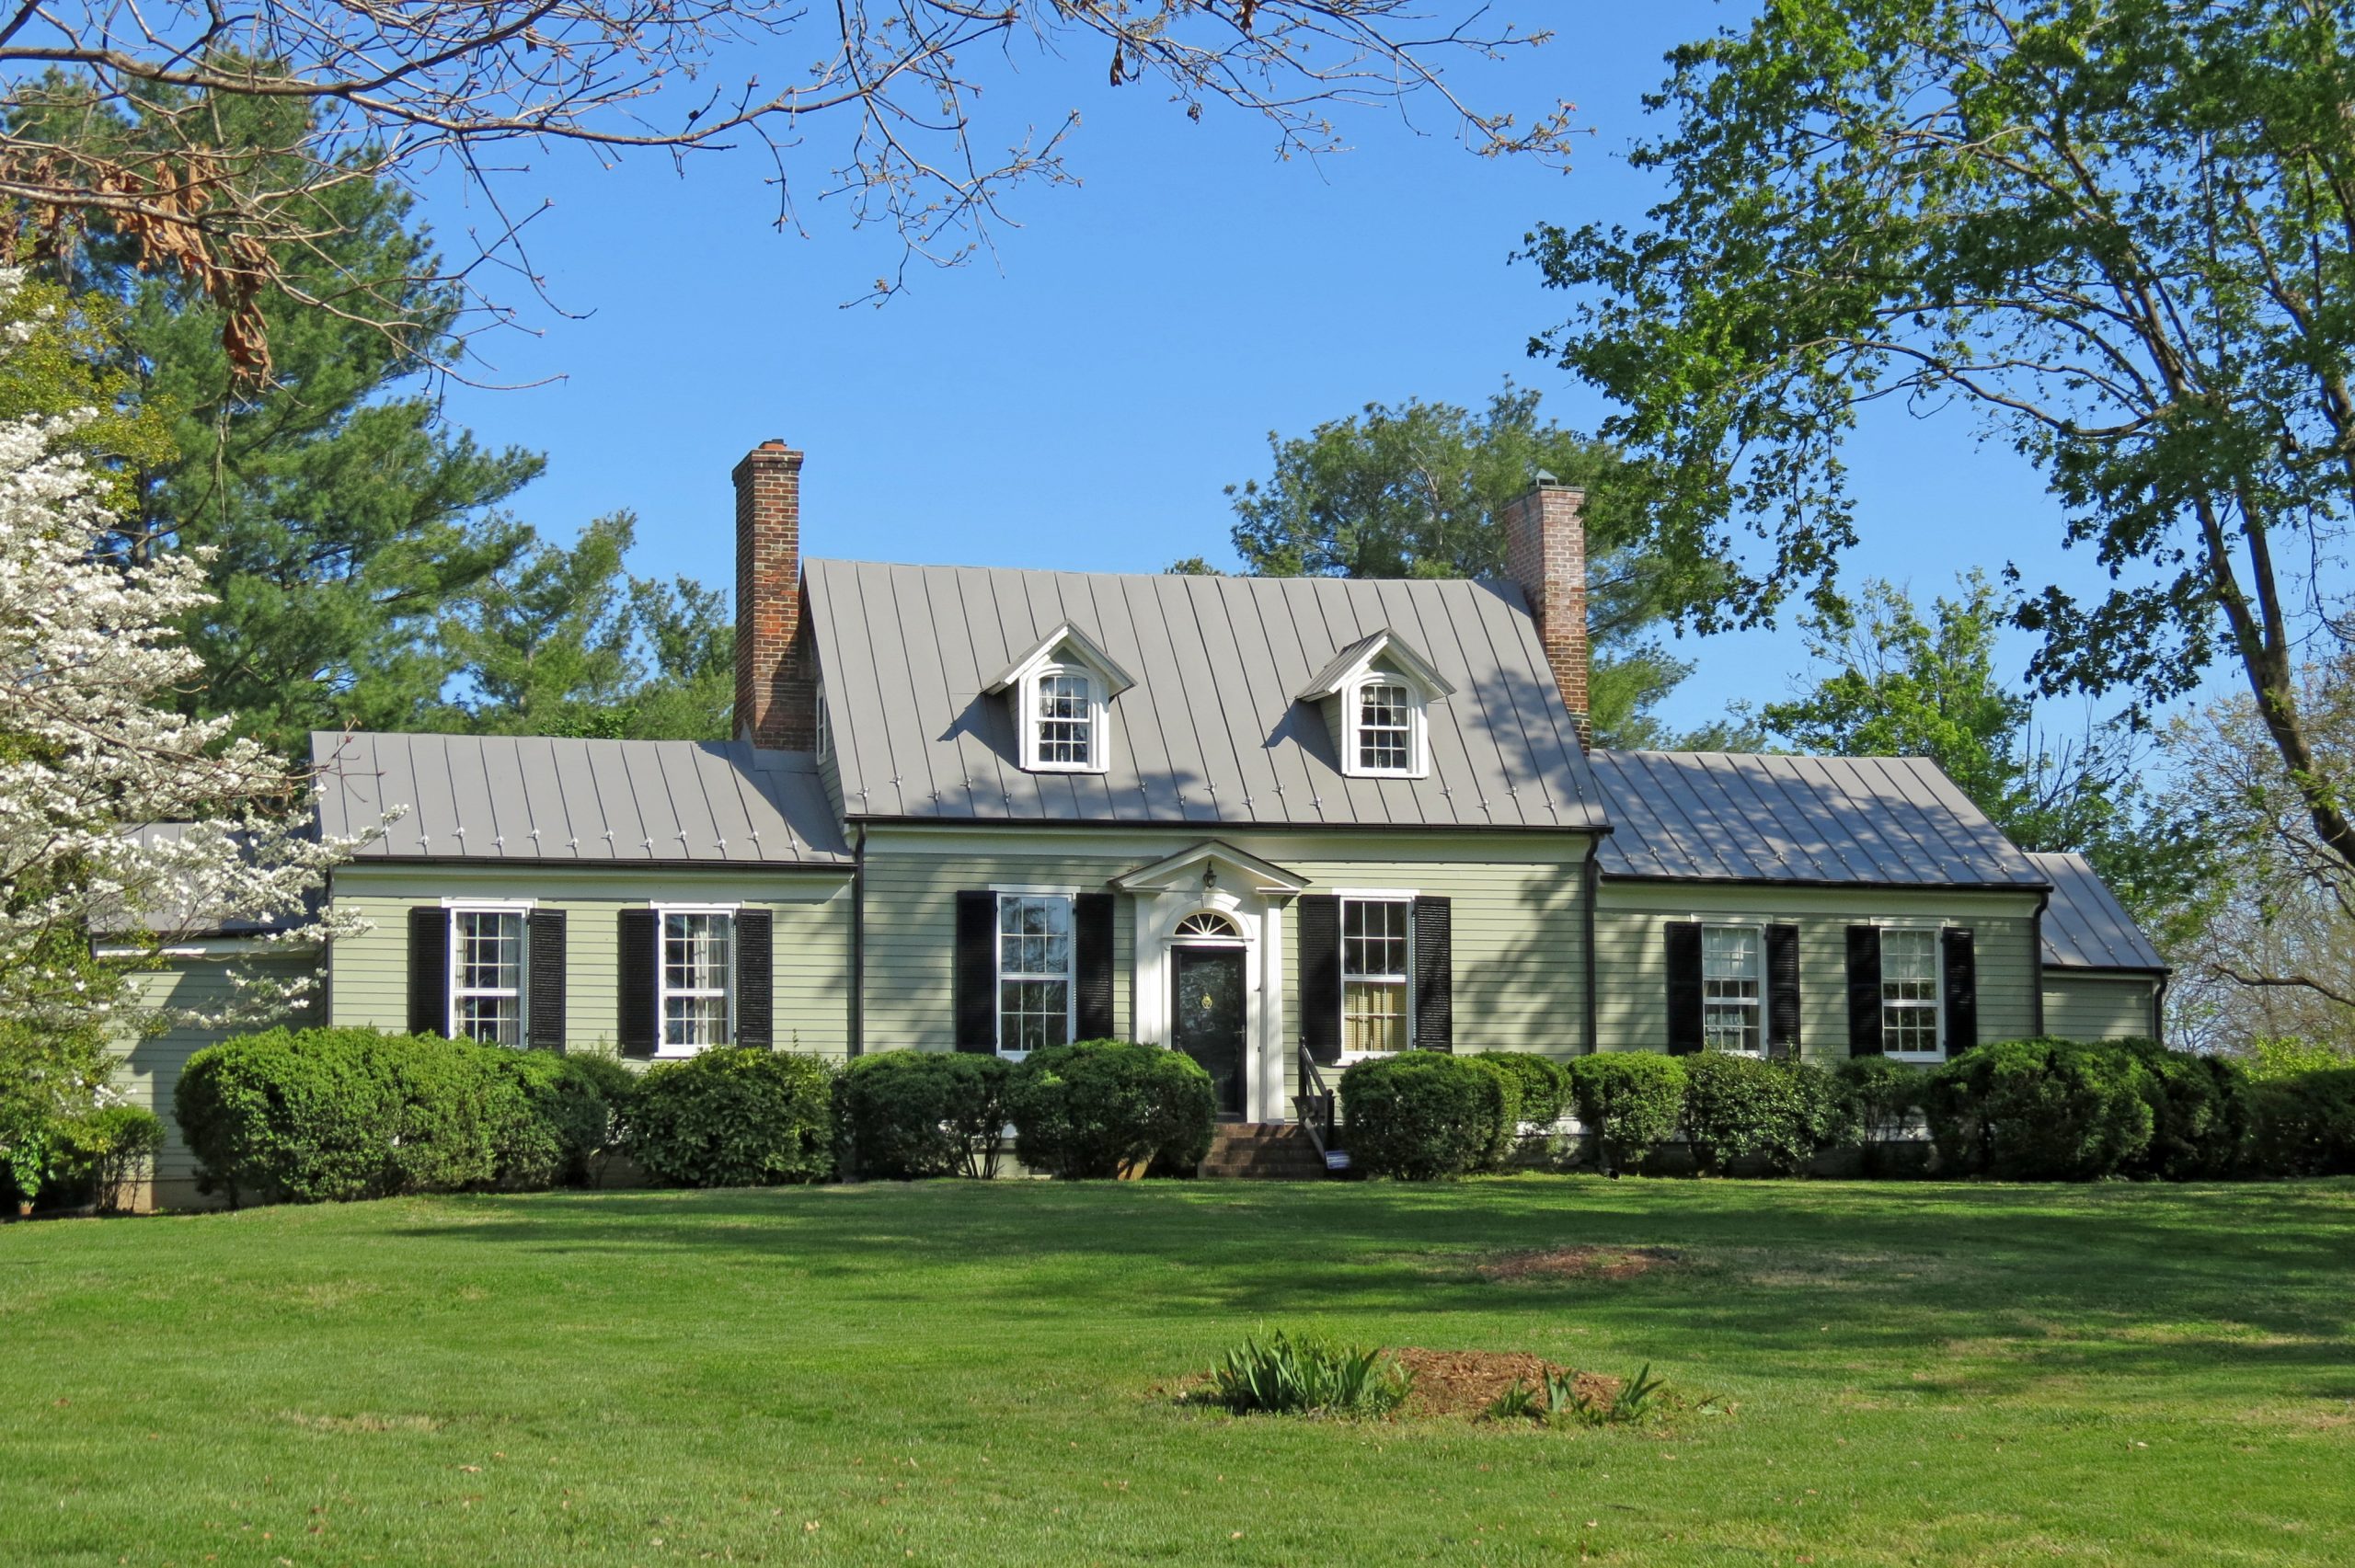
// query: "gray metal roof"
[[1727, 817], [2084, 925], [181, 917], [498, 797], [1211, 733]]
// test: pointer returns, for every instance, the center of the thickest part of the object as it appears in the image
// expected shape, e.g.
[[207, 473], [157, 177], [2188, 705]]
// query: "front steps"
[[1270, 1151]]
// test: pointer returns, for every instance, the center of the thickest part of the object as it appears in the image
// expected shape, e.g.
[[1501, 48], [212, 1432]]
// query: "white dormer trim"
[[1038, 678], [1384, 658]]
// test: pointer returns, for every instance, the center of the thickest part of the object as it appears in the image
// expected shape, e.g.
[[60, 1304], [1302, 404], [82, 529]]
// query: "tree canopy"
[[2117, 232], [1419, 490]]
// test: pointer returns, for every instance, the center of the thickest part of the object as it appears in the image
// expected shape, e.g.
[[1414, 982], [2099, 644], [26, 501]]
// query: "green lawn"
[[979, 1373]]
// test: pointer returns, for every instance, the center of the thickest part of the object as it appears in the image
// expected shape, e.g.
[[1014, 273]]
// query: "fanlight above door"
[[1207, 923]]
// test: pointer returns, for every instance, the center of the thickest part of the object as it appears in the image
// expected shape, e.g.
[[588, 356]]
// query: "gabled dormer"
[[1375, 695], [1060, 694]]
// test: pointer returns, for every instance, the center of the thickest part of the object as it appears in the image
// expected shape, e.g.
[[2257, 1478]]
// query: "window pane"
[[1034, 955], [1033, 1014], [695, 1020], [1374, 1016], [697, 952], [490, 950], [1373, 939], [494, 1020], [1067, 720], [1909, 992]]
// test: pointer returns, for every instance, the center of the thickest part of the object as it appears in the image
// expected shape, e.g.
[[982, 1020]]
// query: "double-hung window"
[[1386, 727], [1066, 719], [1034, 970], [697, 979], [1909, 992], [1733, 966], [1374, 974], [486, 976]]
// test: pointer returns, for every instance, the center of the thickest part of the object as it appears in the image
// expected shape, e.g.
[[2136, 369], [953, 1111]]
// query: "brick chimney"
[[1546, 553], [777, 697]]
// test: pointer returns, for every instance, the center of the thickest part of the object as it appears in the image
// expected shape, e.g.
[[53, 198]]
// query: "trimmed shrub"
[[308, 1115], [2040, 1110], [2303, 1126], [908, 1115], [735, 1116], [114, 1146], [1424, 1116], [1737, 1107], [1630, 1102], [1100, 1108], [2199, 1112], [616, 1084], [1544, 1086], [1878, 1097]]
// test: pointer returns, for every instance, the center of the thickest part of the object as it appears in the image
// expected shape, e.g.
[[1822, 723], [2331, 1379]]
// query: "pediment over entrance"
[[1236, 870]]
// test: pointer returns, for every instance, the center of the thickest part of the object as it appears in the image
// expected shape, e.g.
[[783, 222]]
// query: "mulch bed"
[[1466, 1382], [1579, 1263]]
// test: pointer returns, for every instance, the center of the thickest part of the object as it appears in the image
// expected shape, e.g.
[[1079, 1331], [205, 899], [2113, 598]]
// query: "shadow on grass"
[[2020, 1284]]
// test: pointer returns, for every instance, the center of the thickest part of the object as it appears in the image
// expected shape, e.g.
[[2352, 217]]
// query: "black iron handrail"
[[1318, 1106]]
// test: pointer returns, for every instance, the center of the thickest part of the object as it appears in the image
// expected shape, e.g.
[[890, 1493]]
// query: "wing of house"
[[1274, 823]]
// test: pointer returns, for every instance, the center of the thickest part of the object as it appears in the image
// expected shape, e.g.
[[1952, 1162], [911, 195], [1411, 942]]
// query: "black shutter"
[[1783, 991], [1320, 977], [1864, 990], [544, 930], [1962, 991], [1685, 1030], [1434, 946], [640, 953], [976, 972], [1091, 918], [429, 971], [755, 986]]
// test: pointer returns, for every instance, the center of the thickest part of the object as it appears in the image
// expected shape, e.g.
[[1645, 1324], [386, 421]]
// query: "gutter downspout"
[[1591, 873], [2159, 1010], [858, 945], [2036, 953]]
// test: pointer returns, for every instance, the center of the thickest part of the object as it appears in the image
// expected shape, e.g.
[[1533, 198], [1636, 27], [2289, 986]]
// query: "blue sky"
[[1081, 398]]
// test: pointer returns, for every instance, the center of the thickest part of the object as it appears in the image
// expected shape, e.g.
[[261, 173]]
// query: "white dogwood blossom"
[[120, 819]]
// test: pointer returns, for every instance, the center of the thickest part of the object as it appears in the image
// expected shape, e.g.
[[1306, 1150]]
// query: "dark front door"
[[1210, 1014]]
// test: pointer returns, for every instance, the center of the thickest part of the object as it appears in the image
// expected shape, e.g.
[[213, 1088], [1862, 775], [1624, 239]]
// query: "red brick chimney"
[[777, 693], [1546, 553]]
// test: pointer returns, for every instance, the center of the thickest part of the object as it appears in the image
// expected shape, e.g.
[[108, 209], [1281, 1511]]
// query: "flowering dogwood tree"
[[124, 825]]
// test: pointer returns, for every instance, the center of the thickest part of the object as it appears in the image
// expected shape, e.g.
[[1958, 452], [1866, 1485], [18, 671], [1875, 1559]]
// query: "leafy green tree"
[[347, 517], [1894, 683], [2115, 229], [1419, 490], [564, 641]]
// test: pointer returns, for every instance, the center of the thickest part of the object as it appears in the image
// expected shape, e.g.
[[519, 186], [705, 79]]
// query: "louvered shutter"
[[1091, 915], [756, 984], [1320, 977], [640, 955], [1685, 991], [1962, 990], [975, 977], [429, 971], [543, 1019], [1864, 990], [1434, 949], [1782, 991]]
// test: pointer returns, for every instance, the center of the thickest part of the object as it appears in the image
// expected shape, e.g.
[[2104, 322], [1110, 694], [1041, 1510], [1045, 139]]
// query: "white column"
[[1271, 1044]]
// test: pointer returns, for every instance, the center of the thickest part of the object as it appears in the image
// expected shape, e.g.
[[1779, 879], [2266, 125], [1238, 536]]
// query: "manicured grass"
[[978, 1373]]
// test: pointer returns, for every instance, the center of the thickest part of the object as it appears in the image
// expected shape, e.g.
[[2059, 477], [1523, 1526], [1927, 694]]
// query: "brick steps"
[[1267, 1151]]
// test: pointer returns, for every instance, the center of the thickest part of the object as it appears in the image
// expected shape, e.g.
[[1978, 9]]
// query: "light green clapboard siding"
[[368, 975], [1517, 932], [147, 1070], [2097, 1007], [1631, 962]]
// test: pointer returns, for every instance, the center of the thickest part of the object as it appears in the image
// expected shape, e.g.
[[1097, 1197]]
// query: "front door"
[[1210, 1013]]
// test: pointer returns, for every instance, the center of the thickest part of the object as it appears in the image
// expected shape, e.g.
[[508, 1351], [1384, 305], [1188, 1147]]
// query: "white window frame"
[[520, 909], [825, 727], [1353, 728], [999, 975], [1937, 1004], [1758, 1004], [1401, 897], [663, 1049], [1033, 714]]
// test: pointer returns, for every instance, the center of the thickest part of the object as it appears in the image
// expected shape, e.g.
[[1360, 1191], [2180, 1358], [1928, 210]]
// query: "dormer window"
[[1065, 720], [1061, 692], [1376, 695], [1389, 717]]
